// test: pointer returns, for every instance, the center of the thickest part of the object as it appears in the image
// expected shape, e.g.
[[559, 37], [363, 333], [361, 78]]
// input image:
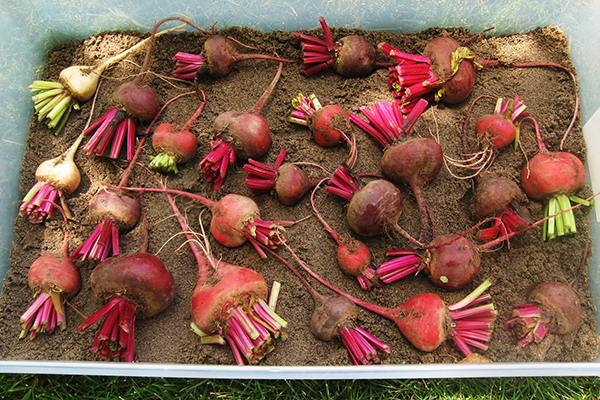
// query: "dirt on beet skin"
[[514, 269]]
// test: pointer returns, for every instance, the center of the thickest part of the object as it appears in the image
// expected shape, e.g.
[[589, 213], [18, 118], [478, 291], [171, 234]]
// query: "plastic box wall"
[[28, 28]]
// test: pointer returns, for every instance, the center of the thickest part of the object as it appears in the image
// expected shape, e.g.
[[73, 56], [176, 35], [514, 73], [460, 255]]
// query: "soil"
[[166, 338]]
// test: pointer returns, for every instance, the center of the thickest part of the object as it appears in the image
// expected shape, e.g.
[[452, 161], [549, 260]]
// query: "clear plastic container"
[[29, 28]]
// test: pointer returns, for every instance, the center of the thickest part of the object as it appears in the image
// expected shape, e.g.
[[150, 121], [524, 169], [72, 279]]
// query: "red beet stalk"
[[53, 278], [228, 304], [351, 56], [238, 135]]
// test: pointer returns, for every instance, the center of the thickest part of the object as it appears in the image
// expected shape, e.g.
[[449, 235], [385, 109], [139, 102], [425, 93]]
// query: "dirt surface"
[[166, 338]]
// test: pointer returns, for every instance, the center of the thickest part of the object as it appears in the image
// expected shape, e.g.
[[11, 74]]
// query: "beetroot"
[[493, 132], [354, 257], [450, 262], [351, 56], [287, 181], [335, 317], [445, 72], [554, 178], [411, 160], [218, 58], [238, 135], [53, 278], [427, 322], [236, 220], [113, 211], [329, 125], [228, 304], [499, 198], [173, 145], [374, 208], [135, 284], [55, 178], [553, 308]]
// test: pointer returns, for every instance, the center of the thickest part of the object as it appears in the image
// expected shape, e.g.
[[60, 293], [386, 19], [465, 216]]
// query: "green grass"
[[41, 387]]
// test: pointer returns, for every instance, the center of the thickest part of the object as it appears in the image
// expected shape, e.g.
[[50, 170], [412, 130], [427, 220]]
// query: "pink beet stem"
[[334, 234], [327, 33], [195, 116], [265, 96], [202, 259]]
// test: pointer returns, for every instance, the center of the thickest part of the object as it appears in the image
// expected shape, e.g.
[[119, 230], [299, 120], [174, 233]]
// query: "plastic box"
[[28, 29]]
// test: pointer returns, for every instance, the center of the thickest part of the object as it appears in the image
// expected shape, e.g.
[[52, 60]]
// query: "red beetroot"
[[554, 178], [235, 220], [499, 198], [113, 211], [445, 72], [411, 160], [499, 128], [374, 208], [493, 132], [427, 322], [238, 135], [329, 125], [228, 304], [173, 145], [53, 278], [354, 257], [450, 262], [553, 308], [136, 284], [351, 56], [217, 59], [133, 100], [287, 181]]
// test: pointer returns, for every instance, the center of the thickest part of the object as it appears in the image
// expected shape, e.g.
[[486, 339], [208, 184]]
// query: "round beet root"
[[331, 315], [457, 87], [500, 130], [291, 184], [375, 208], [116, 205], [354, 57], [140, 278], [493, 195], [329, 125], [452, 266], [553, 308], [560, 303], [551, 174]]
